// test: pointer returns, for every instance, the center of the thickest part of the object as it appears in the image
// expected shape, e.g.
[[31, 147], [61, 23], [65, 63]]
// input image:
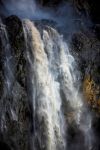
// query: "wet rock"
[[49, 3], [97, 30], [15, 33], [16, 38], [86, 47], [14, 23], [89, 7], [16, 123], [15, 113], [80, 42], [1, 64]]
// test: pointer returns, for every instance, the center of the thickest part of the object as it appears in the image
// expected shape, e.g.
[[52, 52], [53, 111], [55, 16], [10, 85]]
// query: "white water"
[[64, 65], [64, 68], [46, 92], [54, 71]]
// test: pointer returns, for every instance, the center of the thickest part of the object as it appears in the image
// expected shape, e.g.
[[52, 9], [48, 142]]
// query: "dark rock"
[[15, 112], [90, 7], [49, 3], [16, 38], [80, 42], [1, 64], [15, 29], [4, 146], [97, 30], [87, 48]]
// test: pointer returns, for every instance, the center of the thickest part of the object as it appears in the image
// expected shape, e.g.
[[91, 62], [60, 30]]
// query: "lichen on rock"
[[92, 93]]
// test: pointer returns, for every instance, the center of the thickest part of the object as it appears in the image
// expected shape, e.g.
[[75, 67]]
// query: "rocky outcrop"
[[87, 48], [89, 6], [15, 118], [16, 36]]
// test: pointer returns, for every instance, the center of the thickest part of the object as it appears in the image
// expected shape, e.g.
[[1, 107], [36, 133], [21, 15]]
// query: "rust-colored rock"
[[92, 93]]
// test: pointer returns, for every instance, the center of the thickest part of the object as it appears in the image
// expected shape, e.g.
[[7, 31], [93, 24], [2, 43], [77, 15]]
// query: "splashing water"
[[54, 80], [63, 66], [46, 92]]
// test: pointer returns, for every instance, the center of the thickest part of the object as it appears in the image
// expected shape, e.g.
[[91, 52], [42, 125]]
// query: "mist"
[[23, 9], [64, 14]]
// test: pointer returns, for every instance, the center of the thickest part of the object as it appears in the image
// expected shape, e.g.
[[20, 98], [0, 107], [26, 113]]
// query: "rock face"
[[86, 45], [86, 7], [83, 6], [87, 48], [90, 8], [15, 112]]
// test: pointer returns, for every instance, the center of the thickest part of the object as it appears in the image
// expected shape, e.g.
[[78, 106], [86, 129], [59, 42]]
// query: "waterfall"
[[53, 81], [46, 97], [40, 83]]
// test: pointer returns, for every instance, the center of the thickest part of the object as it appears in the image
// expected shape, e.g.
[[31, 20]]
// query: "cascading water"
[[47, 100], [55, 82]]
